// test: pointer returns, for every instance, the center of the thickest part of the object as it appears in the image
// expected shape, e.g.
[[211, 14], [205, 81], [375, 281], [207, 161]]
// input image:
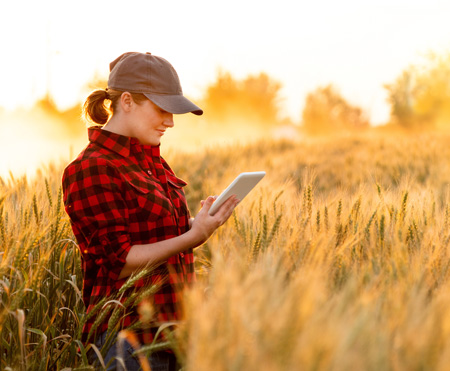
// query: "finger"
[[227, 212], [208, 202], [227, 208]]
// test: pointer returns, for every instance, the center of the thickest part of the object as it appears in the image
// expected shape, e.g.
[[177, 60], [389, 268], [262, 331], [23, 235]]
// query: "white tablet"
[[240, 187]]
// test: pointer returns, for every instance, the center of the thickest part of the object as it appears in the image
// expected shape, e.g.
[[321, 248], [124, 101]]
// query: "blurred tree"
[[48, 105], [254, 98], [69, 119], [326, 111], [420, 97]]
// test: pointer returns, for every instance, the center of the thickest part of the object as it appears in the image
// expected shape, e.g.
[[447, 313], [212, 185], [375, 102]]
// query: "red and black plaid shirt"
[[119, 193]]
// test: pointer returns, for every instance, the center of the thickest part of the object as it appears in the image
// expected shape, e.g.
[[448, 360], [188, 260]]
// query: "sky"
[[358, 46]]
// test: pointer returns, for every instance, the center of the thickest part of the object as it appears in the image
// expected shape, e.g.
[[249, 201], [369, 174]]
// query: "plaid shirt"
[[119, 193]]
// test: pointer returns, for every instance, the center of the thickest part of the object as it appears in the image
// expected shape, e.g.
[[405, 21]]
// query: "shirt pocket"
[[146, 198], [175, 181], [177, 194]]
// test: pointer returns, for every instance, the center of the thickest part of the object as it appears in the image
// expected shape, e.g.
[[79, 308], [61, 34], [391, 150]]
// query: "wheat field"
[[339, 260]]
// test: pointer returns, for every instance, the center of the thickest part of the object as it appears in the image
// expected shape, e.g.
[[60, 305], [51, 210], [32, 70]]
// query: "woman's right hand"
[[204, 224]]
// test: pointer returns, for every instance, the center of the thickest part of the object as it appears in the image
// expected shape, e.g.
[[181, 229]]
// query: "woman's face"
[[149, 122]]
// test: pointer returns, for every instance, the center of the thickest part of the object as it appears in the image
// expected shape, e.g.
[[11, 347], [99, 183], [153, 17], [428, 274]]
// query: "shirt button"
[[149, 172]]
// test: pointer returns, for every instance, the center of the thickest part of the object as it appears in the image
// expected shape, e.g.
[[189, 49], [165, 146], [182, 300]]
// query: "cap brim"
[[175, 104]]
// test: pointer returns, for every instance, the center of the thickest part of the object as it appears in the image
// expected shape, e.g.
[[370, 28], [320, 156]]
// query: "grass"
[[338, 260]]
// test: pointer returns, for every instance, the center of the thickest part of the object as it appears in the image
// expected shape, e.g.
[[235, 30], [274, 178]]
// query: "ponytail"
[[96, 110]]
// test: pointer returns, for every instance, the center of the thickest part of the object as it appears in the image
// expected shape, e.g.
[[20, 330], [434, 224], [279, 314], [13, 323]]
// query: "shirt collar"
[[118, 143]]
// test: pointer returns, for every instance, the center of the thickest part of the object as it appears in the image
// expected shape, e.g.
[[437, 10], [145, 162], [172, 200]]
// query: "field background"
[[338, 260]]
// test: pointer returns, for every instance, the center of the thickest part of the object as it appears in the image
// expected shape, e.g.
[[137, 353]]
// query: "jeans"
[[159, 361]]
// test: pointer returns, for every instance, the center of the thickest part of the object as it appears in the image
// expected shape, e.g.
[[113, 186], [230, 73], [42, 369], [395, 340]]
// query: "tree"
[[326, 111], [420, 97], [254, 98]]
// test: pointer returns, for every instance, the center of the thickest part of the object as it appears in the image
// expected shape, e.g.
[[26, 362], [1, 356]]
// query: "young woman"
[[127, 207]]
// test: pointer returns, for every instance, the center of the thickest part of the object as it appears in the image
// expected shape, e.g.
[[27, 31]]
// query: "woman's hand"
[[204, 224]]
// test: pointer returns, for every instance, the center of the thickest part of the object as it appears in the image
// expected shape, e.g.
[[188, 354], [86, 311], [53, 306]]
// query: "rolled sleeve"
[[97, 209], [115, 248]]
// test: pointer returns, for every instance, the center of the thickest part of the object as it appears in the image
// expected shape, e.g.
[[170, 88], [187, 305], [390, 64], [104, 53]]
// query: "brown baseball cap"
[[152, 76]]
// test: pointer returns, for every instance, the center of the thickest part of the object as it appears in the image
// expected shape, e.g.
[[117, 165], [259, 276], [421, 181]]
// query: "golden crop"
[[338, 260]]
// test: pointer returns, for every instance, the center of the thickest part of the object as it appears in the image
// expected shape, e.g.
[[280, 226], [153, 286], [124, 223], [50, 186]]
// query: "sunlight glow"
[[55, 47], [29, 140]]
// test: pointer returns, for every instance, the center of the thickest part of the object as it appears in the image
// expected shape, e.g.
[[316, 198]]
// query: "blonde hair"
[[96, 110]]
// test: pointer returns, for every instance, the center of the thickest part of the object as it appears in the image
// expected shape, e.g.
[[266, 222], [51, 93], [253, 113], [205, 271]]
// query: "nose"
[[168, 120]]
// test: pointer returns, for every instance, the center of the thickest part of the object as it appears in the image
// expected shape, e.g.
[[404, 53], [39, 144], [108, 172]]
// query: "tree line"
[[418, 98]]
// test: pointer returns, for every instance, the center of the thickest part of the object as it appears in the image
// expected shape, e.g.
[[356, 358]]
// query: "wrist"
[[196, 237]]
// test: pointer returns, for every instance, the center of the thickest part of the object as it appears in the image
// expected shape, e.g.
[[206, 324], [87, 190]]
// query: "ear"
[[126, 101]]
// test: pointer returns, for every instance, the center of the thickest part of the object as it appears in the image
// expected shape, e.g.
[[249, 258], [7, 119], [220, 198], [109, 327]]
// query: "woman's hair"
[[95, 108]]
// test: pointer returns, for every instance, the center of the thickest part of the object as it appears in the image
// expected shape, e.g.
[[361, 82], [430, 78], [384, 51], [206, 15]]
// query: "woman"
[[127, 208]]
